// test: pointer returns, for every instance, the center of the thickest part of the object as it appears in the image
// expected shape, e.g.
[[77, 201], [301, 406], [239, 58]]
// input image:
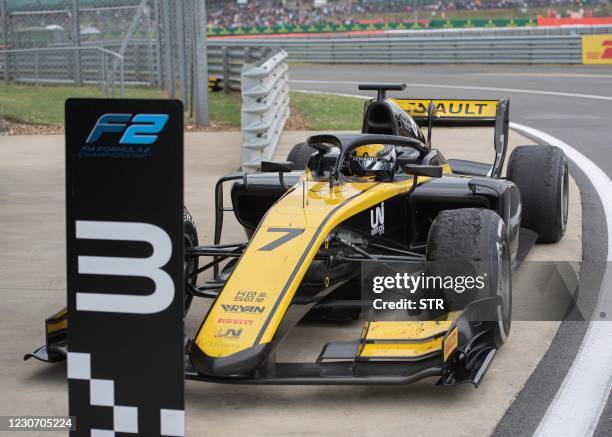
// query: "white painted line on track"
[[547, 75], [577, 406], [328, 93], [462, 87], [581, 398]]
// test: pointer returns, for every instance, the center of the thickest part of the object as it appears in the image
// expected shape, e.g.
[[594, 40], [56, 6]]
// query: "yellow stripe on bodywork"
[[57, 321], [253, 301], [57, 326], [472, 109], [401, 350], [406, 330], [450, 343], [403, 339]]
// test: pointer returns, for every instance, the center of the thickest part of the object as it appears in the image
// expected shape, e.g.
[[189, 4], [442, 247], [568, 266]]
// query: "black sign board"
[[124, 201]]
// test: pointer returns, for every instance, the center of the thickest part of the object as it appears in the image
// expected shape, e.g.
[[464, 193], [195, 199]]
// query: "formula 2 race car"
[[344, 202]]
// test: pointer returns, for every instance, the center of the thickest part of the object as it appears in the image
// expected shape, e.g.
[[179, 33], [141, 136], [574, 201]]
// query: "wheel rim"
[[189, 266], [503, 279], [564, 197]]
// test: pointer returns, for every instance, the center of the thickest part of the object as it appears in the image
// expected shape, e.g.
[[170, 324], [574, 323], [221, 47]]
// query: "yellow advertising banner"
[[597, 49], [450, 108]]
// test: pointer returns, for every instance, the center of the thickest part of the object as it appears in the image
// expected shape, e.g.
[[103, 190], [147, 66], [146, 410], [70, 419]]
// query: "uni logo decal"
[[377, 219]]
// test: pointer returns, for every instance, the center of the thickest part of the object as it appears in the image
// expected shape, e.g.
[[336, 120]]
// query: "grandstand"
[[110, 18], [262, 13]]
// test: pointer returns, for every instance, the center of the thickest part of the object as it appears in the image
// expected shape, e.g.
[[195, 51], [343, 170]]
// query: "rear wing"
[[451, 112], [464, 113]]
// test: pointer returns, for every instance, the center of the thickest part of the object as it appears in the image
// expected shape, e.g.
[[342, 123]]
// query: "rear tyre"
[[541, 174], [299, 155], [190, 237], [473, 242]]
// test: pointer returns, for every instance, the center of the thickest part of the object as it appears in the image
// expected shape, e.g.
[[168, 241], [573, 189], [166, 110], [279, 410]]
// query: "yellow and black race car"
[[344, 206]]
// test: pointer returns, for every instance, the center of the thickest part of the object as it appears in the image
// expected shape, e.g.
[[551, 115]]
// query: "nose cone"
[[242, 363]]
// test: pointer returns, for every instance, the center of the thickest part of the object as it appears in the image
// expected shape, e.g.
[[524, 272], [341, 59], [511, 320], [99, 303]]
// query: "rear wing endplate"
[[464, 113]]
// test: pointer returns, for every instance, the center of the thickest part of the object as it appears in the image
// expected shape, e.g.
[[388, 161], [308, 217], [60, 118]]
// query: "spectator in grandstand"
[[232, 14]]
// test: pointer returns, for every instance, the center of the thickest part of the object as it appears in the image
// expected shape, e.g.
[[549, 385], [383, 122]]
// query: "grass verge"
[[44, 105], [328, 112]]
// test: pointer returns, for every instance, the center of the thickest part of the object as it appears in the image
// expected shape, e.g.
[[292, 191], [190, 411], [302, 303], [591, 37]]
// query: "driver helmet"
[[371, 160]]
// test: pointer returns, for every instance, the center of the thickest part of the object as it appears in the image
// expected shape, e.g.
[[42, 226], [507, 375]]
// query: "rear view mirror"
[[432, 171], [279, 167], [276, 166]]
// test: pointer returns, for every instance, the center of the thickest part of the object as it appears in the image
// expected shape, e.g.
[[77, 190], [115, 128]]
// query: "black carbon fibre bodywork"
[[412, 213]]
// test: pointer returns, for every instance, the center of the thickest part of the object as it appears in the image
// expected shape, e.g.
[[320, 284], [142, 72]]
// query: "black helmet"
[[371, 160]]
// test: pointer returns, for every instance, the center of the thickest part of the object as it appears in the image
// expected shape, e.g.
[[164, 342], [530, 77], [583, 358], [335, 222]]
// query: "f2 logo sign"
[[377, 219], [150, 267], [142, 128]]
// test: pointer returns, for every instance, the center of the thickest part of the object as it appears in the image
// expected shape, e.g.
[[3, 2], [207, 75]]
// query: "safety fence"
[[66, 65], [156, 40], [138, 65], [265, 108]]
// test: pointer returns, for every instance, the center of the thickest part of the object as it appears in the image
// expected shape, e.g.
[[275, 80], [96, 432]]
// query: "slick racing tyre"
[[190, 235], [473, 242], [299, 155], [540, 173]]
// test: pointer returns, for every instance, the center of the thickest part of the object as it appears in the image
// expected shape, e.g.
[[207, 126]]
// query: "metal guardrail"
[[443, 32], [505, 31], [226, 62], [454, 46], [265, 109], [563, 49], [56, 65]]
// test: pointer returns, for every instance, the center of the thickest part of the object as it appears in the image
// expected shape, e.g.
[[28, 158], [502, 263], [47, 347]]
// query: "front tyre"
[[190, 264], [473, 242], [541, 174]]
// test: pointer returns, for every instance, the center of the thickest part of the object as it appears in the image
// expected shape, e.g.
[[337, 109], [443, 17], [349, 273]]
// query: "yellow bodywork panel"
[[474, 109], [57, 321], [54, 327], [403, 339], [255, 298], [401, 350], [407, 330], [450, 343]]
